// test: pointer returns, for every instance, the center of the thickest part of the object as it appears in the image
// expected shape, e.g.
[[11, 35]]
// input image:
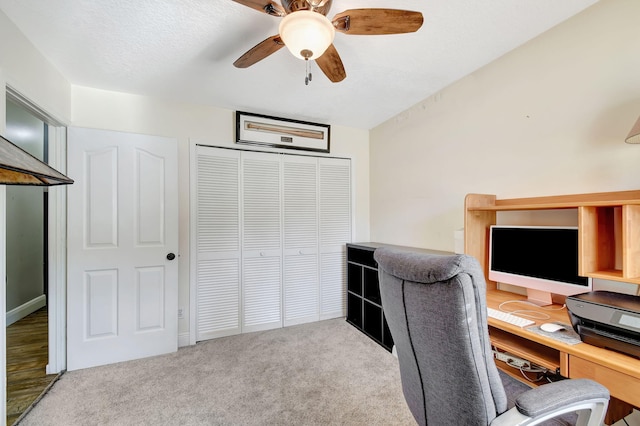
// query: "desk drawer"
[[621, 386]]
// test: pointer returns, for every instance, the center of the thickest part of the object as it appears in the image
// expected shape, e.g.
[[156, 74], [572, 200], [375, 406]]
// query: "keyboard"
[[510, 318]]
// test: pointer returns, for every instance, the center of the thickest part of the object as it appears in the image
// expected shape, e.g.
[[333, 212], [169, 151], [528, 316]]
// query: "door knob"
[[171, 256]]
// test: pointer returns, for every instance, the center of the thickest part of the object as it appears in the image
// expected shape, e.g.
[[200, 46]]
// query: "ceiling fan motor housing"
[[319, 6]]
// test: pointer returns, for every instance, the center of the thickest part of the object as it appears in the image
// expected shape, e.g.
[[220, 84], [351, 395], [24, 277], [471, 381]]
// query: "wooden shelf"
[[536, 353], [613, 275], [562, 201], [515, 373]]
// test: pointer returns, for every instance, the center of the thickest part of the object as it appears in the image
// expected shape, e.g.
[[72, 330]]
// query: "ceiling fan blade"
[[265, 6], [377, 21], [331, 65], [259, 52]]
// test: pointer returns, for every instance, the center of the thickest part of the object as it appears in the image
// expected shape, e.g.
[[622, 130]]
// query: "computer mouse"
[[552, 327]]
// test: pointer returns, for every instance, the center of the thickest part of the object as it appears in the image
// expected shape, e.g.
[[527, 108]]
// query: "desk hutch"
[[609, 248]]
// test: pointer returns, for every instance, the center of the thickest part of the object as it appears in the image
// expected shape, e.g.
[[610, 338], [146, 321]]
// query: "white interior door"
[[122, 242]]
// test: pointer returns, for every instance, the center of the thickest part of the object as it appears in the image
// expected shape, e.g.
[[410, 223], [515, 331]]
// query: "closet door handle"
[[171, 256]]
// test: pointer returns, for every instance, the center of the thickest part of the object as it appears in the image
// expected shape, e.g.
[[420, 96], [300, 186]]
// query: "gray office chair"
[[436, 310]]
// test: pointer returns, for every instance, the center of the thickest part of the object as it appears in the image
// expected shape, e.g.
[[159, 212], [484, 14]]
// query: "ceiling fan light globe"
[[306, 31]]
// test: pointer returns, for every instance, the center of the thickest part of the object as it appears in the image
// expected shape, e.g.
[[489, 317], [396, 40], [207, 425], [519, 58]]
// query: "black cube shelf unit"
[[364, 305]]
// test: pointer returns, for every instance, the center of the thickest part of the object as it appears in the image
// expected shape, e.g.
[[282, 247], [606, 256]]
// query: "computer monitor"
[[542, 259]]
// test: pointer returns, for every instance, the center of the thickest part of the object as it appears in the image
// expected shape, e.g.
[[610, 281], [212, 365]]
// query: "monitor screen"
[[537, 258]]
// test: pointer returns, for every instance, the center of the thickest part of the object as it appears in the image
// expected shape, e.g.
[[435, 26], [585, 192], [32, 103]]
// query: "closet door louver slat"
[[261, 286], [218, 302], [333, 285]]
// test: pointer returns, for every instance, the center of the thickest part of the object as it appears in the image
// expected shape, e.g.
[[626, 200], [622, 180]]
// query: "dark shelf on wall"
[[364, 305]]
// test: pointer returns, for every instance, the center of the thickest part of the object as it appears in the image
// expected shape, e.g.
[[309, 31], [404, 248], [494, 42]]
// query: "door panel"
[[261, 293], [261, 242], [150, 219], [100, 206], [122, 223], [300, 217], [333, 273], [217, 243], [335, 232], [150, 287], [218, 298], [101, 300], [261, 202], [301, 288]]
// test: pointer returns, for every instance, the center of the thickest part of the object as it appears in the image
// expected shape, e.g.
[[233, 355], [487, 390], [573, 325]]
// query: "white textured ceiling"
[[184, 50]]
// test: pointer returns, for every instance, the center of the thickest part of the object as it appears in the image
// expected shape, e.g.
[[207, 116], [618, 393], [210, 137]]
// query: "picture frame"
[[258, 129]]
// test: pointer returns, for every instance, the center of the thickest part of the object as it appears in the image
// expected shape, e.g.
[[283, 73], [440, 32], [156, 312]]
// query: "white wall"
[[547, 118], [138, 114], [31, 74]]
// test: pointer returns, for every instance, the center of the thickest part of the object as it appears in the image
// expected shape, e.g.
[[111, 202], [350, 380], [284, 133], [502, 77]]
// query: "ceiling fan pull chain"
[[307, 77]]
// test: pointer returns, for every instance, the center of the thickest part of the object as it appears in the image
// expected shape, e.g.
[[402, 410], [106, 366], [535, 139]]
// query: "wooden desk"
[[618, 372]]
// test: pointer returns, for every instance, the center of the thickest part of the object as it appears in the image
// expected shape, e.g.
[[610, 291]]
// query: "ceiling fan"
[[308, 33]]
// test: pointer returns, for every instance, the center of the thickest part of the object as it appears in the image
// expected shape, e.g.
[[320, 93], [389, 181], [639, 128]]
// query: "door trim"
[[57, 272], [192, 240]]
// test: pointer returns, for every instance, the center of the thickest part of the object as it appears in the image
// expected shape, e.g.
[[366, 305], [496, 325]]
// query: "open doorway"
[[26, 272], [55, 263], [26, 222]]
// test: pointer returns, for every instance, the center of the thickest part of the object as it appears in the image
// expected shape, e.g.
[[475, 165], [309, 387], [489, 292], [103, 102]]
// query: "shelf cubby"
[[364, 304]]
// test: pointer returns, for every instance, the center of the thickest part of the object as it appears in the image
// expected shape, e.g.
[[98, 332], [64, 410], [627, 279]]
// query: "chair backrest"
[[436, 310]]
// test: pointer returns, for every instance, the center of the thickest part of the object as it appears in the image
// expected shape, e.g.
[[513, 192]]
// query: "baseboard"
[[16, 314], [183, 339]]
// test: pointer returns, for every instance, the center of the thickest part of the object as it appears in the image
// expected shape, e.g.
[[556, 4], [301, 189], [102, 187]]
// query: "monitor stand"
[[539, 297]]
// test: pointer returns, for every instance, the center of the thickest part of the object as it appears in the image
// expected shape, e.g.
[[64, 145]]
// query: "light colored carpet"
[[324, 373]]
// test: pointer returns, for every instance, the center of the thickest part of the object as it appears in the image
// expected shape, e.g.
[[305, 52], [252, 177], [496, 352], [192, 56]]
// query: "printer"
[[607, 320]]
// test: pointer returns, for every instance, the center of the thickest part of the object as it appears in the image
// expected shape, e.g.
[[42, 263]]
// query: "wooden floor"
[[27, 357]]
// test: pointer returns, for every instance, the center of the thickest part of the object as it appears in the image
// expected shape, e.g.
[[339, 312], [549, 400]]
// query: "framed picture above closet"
[[256, 129]]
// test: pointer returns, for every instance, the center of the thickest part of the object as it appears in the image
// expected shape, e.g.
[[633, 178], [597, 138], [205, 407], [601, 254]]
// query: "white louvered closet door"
[[218, 270], [261, 242], [335, 232], [300, 221]]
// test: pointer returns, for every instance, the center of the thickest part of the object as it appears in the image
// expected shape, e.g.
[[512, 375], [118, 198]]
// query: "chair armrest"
[[554, 396], [585, 397]]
